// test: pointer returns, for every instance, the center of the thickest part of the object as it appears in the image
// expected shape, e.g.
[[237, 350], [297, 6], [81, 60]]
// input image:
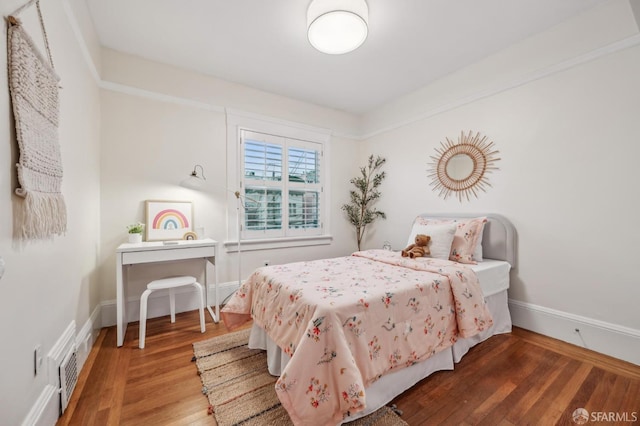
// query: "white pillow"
[[441, 238]]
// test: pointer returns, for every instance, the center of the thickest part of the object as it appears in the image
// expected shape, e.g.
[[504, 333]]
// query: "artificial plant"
[[135, 228], [360, 211]]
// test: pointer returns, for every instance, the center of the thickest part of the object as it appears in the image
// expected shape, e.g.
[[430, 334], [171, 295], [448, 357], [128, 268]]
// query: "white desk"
[[150, 252]]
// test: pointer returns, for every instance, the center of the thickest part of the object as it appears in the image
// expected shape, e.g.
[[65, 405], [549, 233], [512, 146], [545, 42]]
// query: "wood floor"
[[520, 378]]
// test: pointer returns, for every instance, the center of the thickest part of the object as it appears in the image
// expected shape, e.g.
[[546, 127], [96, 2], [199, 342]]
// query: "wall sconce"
[[195, 180]]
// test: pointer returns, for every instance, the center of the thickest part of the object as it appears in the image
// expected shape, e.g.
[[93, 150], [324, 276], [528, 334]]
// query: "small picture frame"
[[168, 220]]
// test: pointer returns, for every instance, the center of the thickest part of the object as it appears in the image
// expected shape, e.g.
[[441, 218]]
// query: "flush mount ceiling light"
[[337, 26]]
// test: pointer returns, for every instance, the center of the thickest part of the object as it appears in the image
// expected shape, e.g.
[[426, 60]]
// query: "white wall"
[[158, 122], [558, 47], [122, 72], [568, 170], [48, 284], [134, 139], [566, 177]]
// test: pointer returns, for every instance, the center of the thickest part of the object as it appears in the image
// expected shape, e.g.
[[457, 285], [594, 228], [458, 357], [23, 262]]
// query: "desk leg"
[[214, 315], [215, 285], [121, 314]]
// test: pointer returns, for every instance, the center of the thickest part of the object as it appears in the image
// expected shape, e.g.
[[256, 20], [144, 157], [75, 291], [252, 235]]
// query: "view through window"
[[282, 184]]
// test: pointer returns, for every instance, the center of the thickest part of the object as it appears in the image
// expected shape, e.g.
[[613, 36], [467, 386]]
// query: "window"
[[282, 170], [282, 182]]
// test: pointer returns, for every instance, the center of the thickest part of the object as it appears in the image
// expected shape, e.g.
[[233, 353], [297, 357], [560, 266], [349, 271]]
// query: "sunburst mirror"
[[461, 167]]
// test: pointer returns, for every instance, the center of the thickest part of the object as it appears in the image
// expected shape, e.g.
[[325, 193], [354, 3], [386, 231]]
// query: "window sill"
[[277, 243]]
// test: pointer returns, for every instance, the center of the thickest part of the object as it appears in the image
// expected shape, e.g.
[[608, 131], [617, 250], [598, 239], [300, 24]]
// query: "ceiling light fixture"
[[337, 26]]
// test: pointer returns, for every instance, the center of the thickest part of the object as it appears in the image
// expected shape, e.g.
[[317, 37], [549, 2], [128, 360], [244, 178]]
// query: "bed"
[[347, 335]]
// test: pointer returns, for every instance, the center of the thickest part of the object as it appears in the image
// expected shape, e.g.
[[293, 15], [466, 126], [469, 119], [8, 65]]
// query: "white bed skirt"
[[391, 385]]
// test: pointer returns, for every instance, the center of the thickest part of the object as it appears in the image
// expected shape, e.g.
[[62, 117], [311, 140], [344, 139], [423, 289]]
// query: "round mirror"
[[461, 167]]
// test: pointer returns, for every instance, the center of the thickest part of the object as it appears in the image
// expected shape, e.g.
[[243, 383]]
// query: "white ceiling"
[[263, 44]]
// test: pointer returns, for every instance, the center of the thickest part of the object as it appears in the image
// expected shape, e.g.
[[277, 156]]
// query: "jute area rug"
[[241, 390]]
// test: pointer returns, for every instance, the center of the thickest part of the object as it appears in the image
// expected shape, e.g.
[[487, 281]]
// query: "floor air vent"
[[68, 378]]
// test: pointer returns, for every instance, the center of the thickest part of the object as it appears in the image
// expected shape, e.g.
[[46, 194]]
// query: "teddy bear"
[[419, 249]]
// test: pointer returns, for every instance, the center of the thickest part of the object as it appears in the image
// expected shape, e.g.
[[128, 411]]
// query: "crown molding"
[[157, 96], [508, 85], [464, 100]]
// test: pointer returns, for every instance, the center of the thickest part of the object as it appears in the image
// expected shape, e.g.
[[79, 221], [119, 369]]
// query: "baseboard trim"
[[46, 410], [87, 336], [600, 336], [158, 304], [603, 337], [57, 353]]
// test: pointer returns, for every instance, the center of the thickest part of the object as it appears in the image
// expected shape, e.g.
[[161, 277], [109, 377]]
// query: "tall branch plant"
[[360, 211]]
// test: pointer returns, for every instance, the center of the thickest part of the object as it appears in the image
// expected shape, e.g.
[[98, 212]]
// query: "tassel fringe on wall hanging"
[[33, 84]]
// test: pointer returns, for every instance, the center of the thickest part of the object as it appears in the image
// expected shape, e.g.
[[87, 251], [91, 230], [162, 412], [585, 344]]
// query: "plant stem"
[[364, 206]]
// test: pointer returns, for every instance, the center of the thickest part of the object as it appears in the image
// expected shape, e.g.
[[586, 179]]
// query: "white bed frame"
[[499, 243]]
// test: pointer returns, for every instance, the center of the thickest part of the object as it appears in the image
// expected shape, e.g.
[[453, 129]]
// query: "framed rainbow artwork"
[[168, 220]]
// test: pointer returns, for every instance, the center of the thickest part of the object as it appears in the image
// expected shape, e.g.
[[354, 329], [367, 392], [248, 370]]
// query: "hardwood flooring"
[[520, 378]]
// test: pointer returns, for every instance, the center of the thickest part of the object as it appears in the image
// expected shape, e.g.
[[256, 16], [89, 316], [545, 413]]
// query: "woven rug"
[[241, 390], [33, 84]]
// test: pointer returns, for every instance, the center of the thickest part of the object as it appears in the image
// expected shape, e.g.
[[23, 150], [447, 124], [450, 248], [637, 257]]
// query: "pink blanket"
[[347, 321]]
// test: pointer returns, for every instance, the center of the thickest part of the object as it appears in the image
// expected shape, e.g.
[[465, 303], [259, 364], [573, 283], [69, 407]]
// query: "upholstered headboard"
[[498, 239]]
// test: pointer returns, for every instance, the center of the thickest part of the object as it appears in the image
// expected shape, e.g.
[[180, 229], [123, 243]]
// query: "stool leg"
[[198, 286], [143, 318], [172, 305]]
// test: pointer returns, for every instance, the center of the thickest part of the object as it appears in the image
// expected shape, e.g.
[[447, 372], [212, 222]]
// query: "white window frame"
[[238, 121], [284, 185]]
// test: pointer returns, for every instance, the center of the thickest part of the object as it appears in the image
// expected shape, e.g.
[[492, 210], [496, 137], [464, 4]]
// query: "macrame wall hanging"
[[33, 84]]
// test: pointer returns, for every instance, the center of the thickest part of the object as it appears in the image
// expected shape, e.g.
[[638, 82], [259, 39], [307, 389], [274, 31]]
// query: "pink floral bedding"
[[347, 321]]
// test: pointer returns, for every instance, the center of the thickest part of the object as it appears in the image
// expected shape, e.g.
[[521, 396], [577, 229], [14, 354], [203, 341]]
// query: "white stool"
[[171, 284]]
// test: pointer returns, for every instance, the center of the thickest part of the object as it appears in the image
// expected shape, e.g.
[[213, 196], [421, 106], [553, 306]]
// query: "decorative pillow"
[[466, 239], [467, 242], [477, 253], [441, 237]]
